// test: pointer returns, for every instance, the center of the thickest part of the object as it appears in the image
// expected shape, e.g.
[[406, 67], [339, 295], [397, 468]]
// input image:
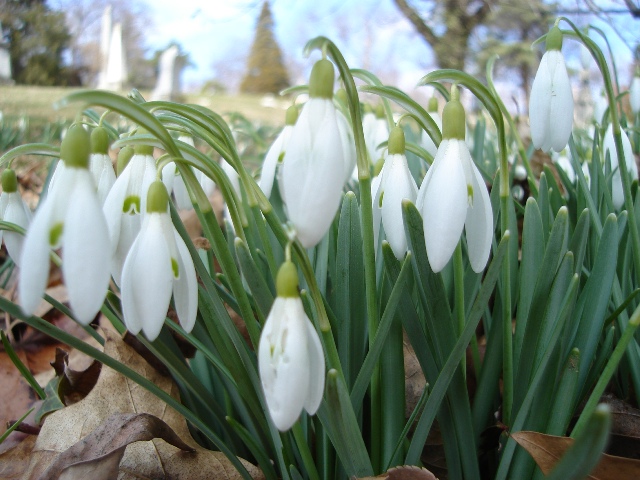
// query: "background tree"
[[266, 72], [447, 26], [38, 38]]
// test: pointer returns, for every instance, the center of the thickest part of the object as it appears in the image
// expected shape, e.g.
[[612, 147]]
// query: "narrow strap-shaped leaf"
[[565, 395], [339, 420], [252, 275], [442, 383], [583, 456]]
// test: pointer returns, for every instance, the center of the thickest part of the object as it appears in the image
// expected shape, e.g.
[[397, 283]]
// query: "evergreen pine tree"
[[266, 72]]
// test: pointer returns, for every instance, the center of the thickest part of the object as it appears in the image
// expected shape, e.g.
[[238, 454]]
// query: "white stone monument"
[[170, 67], [5, 60], [113, 68]]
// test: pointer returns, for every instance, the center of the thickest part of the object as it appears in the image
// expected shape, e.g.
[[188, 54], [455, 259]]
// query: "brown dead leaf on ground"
[[547, 450], [115, 394], [405, 472]]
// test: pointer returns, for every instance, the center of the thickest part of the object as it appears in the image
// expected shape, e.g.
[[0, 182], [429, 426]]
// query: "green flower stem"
[[305, 453], [458, 279], [507, 332], [30, 149], [607, 373], [617, 136]]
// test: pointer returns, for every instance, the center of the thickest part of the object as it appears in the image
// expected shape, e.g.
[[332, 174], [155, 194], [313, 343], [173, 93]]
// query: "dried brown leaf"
[[14, 461], [404, 472], [113, 394], [547, 450], [110, 440]]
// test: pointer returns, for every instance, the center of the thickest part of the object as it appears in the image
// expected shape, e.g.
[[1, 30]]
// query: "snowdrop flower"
[[125, 204], [376, 192], [276, 152], [13, 210], [348, 147], [69, 217], [609, 146], [376, 131], [453, 196], [564, 163], [158, 264], [551, 102], [175, 183], [290, 357], [585, 57], [397, 185], [634, 94], [313, 173], [100, 164], [427, 143]]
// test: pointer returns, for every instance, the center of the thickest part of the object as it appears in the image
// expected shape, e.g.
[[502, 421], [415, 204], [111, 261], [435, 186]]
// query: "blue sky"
[[371, 34]]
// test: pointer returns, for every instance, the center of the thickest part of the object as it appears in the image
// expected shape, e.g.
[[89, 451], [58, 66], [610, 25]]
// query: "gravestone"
[[5, 60], [113, 71], [168, 84]]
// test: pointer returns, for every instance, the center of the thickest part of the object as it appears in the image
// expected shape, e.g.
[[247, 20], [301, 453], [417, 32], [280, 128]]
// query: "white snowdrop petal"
[[479, 223], [85, 241], [270, 163], [283, 362], [634, 95], [149, 278], [316, 369], [560, 121], [168, 176], [398, 185], [17, 212], [34, 261], [313, 172], [445, 204], [539, 106], [185, 287], [113, 205]]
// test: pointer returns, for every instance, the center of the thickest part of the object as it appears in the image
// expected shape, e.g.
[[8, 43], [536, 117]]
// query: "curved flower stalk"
[[100, 163], [453, 196], [125, 204], [13, 210], [290, 357], [551, 101], [275, 155], [634, 94], [397, 184], [69, 217], [313, 173], [609, 146], [157, 266], [427, 143]]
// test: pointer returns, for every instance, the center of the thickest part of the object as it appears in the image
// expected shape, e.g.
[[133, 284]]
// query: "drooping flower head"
[[70, 217], [13, 210], [314, 170], [157, 266], [551, 101], [290, 357], [453, 196], [125, 204], [275, 155], [100, 163], [397, 184]]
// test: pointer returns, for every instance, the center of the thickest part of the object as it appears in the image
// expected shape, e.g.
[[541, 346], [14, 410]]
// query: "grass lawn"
[[37, 104]]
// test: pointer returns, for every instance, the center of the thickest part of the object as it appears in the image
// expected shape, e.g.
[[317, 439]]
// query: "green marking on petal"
[[174, 267], [281, 157], [131, 204], [470, 194], [55, 233], [380, 201]]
